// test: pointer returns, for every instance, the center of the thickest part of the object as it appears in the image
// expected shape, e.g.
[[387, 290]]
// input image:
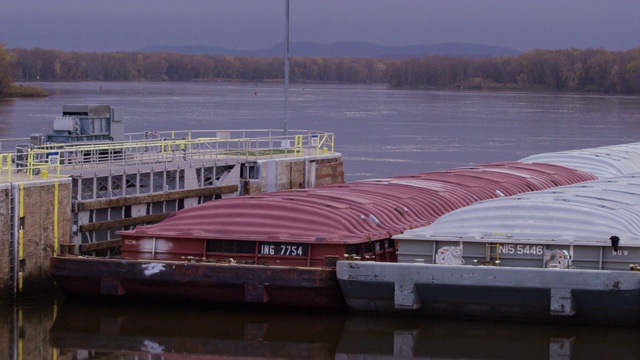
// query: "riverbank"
[[546, 70], [25, 91]]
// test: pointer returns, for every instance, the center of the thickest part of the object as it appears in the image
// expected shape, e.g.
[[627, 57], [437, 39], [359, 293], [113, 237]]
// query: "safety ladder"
[[491, 255], [16, 236], [492, 251]]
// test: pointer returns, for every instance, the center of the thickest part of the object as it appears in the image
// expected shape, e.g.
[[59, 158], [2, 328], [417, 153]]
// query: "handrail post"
[[30, 164]]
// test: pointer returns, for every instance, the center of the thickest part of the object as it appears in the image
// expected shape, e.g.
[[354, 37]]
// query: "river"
[[380, 132]]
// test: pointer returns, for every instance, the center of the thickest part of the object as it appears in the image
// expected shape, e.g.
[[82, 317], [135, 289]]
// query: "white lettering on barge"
[[522, 249]]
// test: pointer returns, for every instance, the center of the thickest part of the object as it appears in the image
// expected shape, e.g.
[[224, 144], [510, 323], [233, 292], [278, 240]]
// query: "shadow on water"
[[379, 337], [48, 328], [185, 332]]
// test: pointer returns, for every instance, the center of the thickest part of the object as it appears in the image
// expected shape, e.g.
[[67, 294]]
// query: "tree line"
[[54, 65], [589, 70], [6, 79]]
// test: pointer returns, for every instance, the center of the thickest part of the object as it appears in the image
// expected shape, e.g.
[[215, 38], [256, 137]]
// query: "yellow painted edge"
[[30, 164], [20, 244]]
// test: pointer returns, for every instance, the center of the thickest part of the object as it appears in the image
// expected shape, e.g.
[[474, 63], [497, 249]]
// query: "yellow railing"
[[323, 141], [42, 164], [297, 148], [5, 164], [58, 159]]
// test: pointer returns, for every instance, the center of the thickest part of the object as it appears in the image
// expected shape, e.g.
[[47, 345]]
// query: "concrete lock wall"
[[329, 171], [278, 174], [290, 175], [42, 216]]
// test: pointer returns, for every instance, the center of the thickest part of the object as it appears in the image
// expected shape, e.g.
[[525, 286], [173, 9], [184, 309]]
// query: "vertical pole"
[[286, 69]]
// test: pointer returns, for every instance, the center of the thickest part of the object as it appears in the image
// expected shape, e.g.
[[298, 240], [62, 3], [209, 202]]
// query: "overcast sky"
[[127, 25]]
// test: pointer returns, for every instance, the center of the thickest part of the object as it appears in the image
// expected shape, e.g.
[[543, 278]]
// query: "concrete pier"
[[35, 218]]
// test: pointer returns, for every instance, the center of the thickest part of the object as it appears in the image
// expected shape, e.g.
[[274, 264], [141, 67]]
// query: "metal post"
[[286, 69]]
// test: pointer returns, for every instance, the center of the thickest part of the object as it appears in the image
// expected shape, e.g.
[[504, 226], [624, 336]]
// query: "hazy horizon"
[[119, 25]]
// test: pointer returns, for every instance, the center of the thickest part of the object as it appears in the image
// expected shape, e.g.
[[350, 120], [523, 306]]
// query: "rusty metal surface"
[[358, 211], [269, 286]]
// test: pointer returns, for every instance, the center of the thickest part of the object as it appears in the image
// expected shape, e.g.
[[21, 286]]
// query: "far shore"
[[25, 91]]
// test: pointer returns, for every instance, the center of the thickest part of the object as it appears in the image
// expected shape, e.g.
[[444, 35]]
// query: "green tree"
[[632, 76], [6, 71]]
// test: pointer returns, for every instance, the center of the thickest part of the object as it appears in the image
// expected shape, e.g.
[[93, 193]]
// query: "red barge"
[[279, 249]]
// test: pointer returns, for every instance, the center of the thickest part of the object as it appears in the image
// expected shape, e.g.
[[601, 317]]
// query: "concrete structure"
[[35, 217], [73, 198]]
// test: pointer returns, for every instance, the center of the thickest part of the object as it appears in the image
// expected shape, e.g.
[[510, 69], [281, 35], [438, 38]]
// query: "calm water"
[[380, 133]]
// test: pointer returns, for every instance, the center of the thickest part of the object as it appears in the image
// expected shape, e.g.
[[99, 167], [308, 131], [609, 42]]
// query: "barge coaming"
[[489, 292], [277, 286]]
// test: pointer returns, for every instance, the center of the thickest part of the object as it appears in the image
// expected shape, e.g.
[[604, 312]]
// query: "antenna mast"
[[286, 68]]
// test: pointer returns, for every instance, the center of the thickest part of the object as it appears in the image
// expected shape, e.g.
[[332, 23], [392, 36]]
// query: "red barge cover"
[[357, 211]]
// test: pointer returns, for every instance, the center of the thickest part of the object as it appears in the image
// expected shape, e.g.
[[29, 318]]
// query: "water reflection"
[[46, 330], [6, 124], [51, 329], [87, 331], [392, 338]]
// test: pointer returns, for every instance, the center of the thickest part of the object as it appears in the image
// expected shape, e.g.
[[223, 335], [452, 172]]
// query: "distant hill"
[[347, 49]]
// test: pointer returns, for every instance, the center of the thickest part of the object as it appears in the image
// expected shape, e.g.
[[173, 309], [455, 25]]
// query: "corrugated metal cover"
[[588, 212], [606, 161], [357, 211]]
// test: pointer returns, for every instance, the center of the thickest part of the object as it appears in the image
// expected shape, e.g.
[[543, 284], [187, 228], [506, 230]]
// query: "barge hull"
[[262, 286], [541, 295]]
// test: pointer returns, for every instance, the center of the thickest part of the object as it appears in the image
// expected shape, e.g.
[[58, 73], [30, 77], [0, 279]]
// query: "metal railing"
[[146, 148]]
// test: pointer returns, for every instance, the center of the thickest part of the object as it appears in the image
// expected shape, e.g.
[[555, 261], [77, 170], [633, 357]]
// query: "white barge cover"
[[543, 256], [606, 161], [588, 214]]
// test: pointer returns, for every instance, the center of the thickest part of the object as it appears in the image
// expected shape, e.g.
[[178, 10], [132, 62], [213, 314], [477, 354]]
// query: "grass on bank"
[[25, 91], [253, 153]]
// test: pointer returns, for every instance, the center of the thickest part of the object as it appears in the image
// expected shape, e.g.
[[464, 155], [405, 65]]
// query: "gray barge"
[[568, 254]]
